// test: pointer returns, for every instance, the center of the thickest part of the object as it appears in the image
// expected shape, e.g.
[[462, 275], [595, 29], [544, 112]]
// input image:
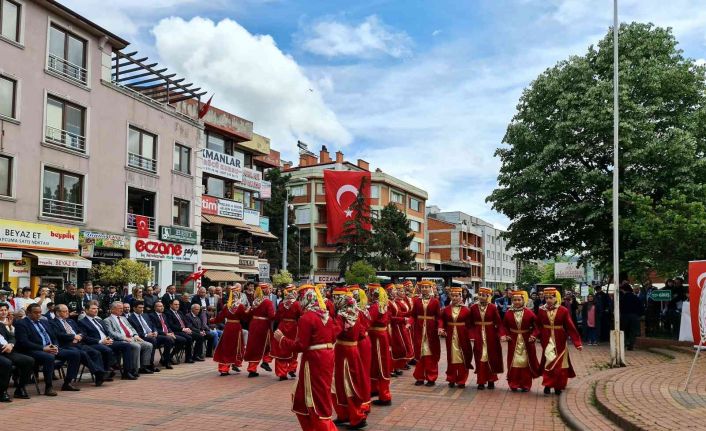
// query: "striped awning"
[[223, 276]]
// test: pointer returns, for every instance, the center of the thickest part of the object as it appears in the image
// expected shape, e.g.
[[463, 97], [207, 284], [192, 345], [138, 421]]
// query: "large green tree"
[[556, 174], [391, 239], [355, 240]]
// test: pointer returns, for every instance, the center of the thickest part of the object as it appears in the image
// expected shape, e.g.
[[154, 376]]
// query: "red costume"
[[427, 347], [399, 342], [259, 334], [459, 354], [485, 331], [381, 362], [364, 346], [288, 313], [555, 325], [351, 390], [522, 365], [229, 351]]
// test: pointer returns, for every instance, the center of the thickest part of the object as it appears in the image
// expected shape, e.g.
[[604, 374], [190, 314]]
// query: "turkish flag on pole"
[[194, 276], [342, 189], [697, 298], [143, 226]]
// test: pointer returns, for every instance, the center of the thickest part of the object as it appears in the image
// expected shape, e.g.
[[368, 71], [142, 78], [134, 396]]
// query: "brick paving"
[[195, 395]]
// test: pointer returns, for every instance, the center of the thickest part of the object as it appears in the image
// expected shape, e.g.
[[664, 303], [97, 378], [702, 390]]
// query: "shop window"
[[62, 195], [66, 124], [5, 176], [10, 20], [67, 54], [180, 212], [182, 159], [142, 203], [8, 97], [153, 265], [142, 150], [179, 273], [214, 186], [302, 216]]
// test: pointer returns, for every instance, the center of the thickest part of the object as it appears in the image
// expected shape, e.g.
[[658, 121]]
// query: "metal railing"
[[140, 162], [68, 69], [131, 222], [231, 247], [66, 139], [62, 209]]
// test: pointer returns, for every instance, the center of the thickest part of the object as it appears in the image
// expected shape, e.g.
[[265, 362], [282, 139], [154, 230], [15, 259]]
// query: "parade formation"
[[354, 339]]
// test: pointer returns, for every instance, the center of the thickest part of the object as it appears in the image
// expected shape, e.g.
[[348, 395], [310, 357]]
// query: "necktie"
[[98, 327], [176, 313], [67, 327], [144, 324], [164, 327], [127, 332], [45, 337]]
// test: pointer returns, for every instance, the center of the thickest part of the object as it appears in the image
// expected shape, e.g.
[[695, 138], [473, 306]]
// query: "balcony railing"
[[68, 69], [62, 209], [132, 221], [231, 247], [66, 139], [140, 162]]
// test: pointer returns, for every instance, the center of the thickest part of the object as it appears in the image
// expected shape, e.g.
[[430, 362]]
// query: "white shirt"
[[143, 323], [43, 304], [3, 341], [23, 303], [98, 326]]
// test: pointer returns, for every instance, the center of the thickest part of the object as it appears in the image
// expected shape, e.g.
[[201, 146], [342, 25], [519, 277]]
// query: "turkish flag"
[[143, 226], [194, 276], [342, 189], [697, 299]]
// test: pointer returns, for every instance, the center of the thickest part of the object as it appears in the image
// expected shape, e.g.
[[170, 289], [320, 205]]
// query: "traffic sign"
[[661, 295]]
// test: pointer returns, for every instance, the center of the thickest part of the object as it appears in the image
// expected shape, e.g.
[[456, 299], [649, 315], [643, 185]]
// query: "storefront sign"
[[63, 262], [108, 254], [264, 268], [209, 205], [103, 240], [251, 217], [265, 190], [35, 236], [20, 268], [663, 295], [248, 262], [221, 207], [252, 179], [265, 223], [143, 248], [568, 270], [223, 165], [10, 255], [327, 278], [177, 234]]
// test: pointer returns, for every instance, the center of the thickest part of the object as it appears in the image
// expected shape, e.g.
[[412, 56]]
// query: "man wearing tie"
[[139, 320], [8, 358], [35, 338], [199, 331], [159, 321], [177, 324], [170, 296], [120, 329], [88, 295], [70, 337], [96, 336]]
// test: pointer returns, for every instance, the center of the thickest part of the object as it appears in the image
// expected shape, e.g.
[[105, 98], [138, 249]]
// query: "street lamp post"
[[284, 229]]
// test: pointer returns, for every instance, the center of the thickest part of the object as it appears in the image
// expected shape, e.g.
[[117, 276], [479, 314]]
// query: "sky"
[[423, 90]]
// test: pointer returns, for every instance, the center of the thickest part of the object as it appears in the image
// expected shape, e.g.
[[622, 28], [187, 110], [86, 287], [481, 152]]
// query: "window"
[[180, 212], [375, 214], [182, 159], [140, 203], [10, 20], [414, 246], [8, 94], [219, 143], [320, 189], [142, 150], [297, 190], [415, 226], [414, 204], [67, 54], [302, 216], [62, 195], [65, 124], [375, 192], [397, 197], [5, 176]]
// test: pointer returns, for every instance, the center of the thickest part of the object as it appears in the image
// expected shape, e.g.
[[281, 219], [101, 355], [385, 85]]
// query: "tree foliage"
[[556, 175], [282, 278], [355, 241], [529, 276], [391, 239], [122, 272], [360, 272]]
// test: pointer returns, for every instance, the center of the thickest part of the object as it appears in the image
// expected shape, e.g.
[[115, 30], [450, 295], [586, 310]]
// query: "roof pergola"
[[149, 80]]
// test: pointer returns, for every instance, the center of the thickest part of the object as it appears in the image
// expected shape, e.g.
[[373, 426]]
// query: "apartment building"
[[309, 200], [91, 142], [459, 246]]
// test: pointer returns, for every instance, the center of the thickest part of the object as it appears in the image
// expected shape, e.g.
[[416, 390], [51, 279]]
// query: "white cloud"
[[368, 39], [251, 78]]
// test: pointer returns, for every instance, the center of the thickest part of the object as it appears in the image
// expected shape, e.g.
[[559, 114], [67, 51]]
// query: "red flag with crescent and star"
[[143, 226], [342, 189]]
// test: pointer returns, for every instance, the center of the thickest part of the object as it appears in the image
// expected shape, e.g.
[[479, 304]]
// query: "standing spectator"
[[504, 303], [630, 312], [72, 300], [674, 308], [215, 299], [590, 321], [109, 298], [88, 294], [25, 299], [202, 299], [602, 313], [170, 295], [149, 299], [137, 295], [571, 304]]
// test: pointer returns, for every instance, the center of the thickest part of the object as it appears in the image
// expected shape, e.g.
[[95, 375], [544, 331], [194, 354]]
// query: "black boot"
[[491, 385], [481, 387], [547, 390]]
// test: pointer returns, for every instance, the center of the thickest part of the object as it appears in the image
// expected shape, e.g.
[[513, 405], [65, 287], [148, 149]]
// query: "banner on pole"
[[697, 299]]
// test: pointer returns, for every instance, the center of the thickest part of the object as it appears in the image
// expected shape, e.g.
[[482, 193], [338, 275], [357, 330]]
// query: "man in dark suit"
[[35, 338], [176, 322], [145, 330], [201, 298], [71, 337], [71, 299], [96, 336], [159, 322], [8, 358], [169, 296], [111, 296], [199, 331]]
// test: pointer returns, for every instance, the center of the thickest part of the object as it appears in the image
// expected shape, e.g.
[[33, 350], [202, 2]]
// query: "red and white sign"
[[221, 207], [151, 249], [265, 190], [209, 205], [143, 226], [697, 283], [63, 262], [252, 179], [342, 189]]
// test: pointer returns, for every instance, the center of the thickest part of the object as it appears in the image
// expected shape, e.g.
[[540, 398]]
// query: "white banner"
[[223, 165], [251, 217], [265, 190], [228, 208], [252, 179], [568, 270], [10, 254]]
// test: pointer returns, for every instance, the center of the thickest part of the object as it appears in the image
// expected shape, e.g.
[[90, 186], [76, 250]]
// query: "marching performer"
[[329, 304], [316, 333], [380, 340], [398, 328], [229, 351], [262, 313], [459, 355], [364, 345], [410, 293], [485, 333], [555, 326], [427, 347], [520, 328], [404, 305], [287, 315]]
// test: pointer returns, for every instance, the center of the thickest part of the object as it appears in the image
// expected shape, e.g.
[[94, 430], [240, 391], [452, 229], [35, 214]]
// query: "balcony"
[[62, 209], [231, 247], [66, 139], [131, 221], [140, 162], [67, 69]]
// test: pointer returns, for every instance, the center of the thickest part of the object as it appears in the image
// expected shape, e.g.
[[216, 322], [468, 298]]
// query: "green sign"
[[177, 234], [661, 295]]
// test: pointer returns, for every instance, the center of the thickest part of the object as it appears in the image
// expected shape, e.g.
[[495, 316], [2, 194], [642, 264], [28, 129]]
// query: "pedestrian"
[[589, 320], [504, 303], [602, 314], [521, 331], [287, 315], [485, 333], [459, 354], [630, 312], [427, 347]]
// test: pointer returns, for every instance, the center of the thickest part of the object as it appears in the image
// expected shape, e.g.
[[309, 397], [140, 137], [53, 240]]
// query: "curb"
[[568, 417], [615, 417]]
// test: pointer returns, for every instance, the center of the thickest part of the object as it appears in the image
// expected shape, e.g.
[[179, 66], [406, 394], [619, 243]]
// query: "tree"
[[355, 241], [282, 278], [391, 239], [529, 276], [556, 175], [360, 272], [122, 272]]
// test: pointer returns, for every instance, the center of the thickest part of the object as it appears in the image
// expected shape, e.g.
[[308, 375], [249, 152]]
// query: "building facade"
[[309, 206], [459, 246]]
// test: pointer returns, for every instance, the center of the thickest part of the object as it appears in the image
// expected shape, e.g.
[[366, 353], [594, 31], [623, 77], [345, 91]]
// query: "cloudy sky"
[[421, 89]]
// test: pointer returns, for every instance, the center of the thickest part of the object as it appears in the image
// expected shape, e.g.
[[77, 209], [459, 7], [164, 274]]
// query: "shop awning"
[[6, 254], [248, 270], [214, 219], [257, 231], [223, 276], [61, 260]]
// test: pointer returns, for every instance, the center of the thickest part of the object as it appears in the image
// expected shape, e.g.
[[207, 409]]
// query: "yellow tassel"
[[230, 298], [363, 298], [320, 299], [382, 297], [258, 292]]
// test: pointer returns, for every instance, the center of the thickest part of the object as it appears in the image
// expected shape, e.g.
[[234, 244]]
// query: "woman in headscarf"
[[380, 340], [229, 351], [261, 315], [364, 346], [520, 329], [316, 334], [288, 313]]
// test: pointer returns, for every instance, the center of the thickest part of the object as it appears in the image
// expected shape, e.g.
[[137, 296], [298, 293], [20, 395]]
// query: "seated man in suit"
[[177, 324], [71, 337], [142, 324], [96, 336], [36, 338], [199, 331], [120, 329], [159, 322], [8, 358]]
